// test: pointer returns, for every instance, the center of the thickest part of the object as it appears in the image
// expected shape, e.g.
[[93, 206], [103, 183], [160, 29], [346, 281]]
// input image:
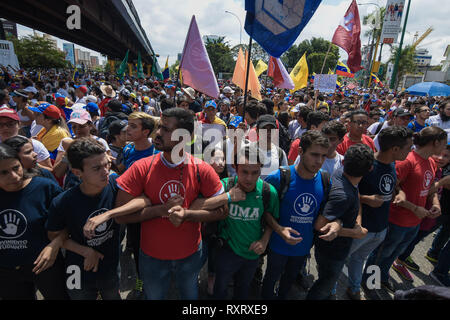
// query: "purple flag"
[[195, 66]]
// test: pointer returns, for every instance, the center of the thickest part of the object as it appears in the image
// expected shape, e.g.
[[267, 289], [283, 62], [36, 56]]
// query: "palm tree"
[[406, 63]]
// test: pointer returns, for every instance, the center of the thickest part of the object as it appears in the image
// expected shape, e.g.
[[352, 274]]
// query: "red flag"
[[277, 71], [347, 36]]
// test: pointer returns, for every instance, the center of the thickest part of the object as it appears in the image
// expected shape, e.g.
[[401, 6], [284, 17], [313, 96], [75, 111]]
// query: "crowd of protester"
[[361, 176]]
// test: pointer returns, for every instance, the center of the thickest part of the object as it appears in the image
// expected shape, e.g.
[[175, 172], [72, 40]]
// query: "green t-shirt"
[[243, 225]]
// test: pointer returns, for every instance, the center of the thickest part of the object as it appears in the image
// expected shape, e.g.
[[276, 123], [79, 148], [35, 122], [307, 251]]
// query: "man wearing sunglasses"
[[359, 121]]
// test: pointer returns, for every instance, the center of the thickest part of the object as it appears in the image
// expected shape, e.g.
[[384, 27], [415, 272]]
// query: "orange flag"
[[239, 71], [239, 76]]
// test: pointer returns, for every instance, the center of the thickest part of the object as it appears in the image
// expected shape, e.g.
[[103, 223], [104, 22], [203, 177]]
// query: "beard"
[[444, 117]]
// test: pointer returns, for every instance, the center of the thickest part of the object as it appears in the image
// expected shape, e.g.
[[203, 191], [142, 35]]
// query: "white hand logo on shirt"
[[173, 190], [101, 227], [427, 180], [11, 224], [307, 203], [387, 184]]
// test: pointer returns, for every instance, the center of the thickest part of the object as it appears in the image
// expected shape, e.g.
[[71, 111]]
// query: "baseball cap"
[[117, 126], [80, 117], [91, 98], [31, 89], [211, 103], [146, 99], [92, 107], [60, 99], [19, 93], [83, 89], [6, 112], [47, 109], [265, 120], [125, 93], [227, 90], [400, 112]]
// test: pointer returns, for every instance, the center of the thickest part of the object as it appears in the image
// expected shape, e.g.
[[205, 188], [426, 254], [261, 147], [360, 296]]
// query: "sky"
[[166, 23]]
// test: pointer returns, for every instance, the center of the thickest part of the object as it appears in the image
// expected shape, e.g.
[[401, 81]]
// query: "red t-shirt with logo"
[[416, 176], [159, 237], [347, 143]]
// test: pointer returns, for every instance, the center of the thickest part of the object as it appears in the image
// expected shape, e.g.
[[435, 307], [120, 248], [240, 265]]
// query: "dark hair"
[[357, 112], [185, 119], [443, 103], [316, 118], [335, 127], [166, 104], [375, 113], [303, 112], [8, 152], [393, 136], [252, 109], [81, 149], [250, 152], [269, 105], [358, 160], [311, 137], [427, 135], [115, 105], [17, 142], [283, 118]]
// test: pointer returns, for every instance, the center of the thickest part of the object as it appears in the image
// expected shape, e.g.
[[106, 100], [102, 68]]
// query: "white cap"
[[91, 98], [227, 90]]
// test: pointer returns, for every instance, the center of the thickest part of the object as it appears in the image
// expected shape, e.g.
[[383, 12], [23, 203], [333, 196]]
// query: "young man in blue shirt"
[[299, 207]]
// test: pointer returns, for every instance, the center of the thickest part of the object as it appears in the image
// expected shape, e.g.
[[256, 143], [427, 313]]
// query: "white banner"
[[325, 82], [7, 56], [392, 20]]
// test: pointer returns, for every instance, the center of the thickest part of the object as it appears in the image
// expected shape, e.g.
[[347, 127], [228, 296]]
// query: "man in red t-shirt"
[[359, 121], [415, 176], [170, 232]]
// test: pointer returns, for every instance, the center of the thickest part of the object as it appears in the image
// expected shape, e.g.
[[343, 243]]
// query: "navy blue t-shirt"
[[47, 174], [71, 210], [298, 210], [342, 204], [381, 181], [23, 215]]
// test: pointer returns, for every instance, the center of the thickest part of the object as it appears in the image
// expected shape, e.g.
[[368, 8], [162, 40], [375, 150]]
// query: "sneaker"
[[389, 286], [402, 271], [305, 281], [139, 285], [353, 295], [443, 280], [431, 257], [410, 264]]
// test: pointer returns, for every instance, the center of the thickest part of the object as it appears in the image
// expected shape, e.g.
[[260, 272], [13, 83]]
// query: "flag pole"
[[326, 56], [247, 74]]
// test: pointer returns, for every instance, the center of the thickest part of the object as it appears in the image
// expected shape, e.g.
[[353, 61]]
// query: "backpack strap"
[[285, 180], [266, 195], [326, 188], [379, 128]]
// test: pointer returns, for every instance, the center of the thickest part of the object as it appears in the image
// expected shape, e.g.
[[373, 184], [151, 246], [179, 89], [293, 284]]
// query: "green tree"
[[173, 70], [219, 53], [37, 52], [315, 49], [406, 63], [257, 52]]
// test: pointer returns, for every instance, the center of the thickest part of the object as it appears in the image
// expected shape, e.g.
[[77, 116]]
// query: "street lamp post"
[[240, 30]]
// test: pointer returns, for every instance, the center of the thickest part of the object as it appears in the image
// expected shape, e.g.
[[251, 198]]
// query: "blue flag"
[[276, 24]]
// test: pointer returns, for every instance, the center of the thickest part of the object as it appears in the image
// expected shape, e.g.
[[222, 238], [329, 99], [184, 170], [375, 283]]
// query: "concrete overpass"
[[107, 26]]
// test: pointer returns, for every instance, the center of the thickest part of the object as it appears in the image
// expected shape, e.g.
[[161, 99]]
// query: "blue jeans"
[[396, 241], [107, 285], [228, 266], [360, 250], [156, 275], [329, 271], [278, 266]]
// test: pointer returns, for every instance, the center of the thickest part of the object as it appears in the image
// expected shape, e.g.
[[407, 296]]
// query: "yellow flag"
[[299, 74], [329, 71], [260, 67]]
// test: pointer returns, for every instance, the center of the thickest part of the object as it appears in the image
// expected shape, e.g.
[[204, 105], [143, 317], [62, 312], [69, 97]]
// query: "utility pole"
[[397, 59]]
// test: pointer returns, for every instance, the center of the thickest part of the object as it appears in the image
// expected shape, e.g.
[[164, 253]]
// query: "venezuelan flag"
[[343, 70], [166, 73], [376, 80]]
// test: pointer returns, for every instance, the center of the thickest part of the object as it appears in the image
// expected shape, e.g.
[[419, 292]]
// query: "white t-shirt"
[[102, 141], [436, 121], [299, 131], [41, 150], [35, 128], [330, 165], [373, 127], [272, 162], [375, 140]]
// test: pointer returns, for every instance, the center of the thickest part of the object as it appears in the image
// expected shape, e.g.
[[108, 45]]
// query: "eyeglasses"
[[8, 124], [425, 110], [360, 123]]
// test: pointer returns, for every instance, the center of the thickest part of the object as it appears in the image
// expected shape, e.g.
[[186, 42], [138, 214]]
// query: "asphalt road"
[[297, 292]]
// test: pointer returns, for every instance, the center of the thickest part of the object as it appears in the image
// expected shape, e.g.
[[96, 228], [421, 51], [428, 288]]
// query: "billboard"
[[392, 21], [69, 50], [10, 28], [7, 56]]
